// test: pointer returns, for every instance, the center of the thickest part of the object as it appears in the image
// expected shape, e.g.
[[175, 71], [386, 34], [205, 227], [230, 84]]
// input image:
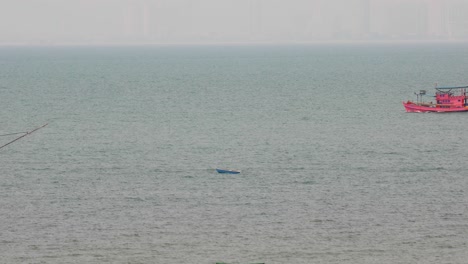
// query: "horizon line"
[[228, 43]]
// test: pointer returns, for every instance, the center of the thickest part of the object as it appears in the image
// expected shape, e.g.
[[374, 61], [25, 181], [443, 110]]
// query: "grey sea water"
[[333, 169]]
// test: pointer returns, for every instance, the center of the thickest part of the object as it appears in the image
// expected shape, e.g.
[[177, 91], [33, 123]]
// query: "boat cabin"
[[450, 97]]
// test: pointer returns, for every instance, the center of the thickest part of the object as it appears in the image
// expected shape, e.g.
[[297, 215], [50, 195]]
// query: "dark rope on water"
[[13, 134], [26, 133]]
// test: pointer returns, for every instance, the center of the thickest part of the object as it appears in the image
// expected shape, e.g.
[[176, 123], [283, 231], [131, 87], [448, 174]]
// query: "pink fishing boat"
[[447, 99]]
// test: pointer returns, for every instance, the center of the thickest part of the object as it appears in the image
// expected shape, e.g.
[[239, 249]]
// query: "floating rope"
[[25, 134], [13, 134]]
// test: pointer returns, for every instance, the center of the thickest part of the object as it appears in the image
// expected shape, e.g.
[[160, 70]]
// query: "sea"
[[333, 170]]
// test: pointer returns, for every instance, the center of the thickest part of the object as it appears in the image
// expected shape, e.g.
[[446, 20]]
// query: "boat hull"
[[417, 108], [227, 171]]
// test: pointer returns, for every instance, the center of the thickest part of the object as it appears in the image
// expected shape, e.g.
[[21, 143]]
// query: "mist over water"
[[130, 22], [333, 169]]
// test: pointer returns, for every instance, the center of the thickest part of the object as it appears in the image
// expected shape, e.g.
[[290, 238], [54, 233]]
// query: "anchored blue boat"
[[228, 171]]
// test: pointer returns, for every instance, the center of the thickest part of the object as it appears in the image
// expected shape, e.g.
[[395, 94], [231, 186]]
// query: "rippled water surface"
[[333, 169]]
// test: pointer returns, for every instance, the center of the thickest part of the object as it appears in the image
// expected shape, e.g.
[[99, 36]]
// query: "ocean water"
[[333, 169]]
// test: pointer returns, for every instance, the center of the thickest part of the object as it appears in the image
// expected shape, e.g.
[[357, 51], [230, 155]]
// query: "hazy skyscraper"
[[365, 19], [128, 19], [436, 22], [457, 20], [137, 20], [255, 19], [145, 18]]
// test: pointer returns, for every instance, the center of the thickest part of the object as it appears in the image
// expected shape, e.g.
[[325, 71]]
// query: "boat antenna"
[[18, 138]]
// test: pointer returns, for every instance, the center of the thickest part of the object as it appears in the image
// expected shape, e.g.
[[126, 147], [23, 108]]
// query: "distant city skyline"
[[229, 21]]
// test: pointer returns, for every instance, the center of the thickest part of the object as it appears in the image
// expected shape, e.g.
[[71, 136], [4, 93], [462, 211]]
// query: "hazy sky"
[[229, 21]]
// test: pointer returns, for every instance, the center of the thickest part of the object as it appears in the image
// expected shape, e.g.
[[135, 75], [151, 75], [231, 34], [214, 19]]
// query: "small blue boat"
[[228, 171]]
